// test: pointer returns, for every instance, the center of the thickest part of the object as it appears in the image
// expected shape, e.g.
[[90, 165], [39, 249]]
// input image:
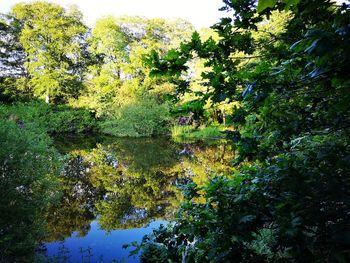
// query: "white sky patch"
[[201, 13]]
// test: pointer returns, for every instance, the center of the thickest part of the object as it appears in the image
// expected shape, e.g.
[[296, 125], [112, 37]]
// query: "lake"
[[113, 191]]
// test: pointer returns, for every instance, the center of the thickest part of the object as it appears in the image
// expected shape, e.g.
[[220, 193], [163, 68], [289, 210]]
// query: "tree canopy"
[[52, 38]]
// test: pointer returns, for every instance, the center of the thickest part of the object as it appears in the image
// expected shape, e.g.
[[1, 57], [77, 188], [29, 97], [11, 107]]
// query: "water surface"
[[116, 190]]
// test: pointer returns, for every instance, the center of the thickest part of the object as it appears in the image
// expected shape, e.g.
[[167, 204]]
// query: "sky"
[[201, 13]]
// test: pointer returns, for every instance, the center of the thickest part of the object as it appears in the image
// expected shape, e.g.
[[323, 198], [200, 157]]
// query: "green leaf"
[[172, 55], [263, 4], [290, 3]]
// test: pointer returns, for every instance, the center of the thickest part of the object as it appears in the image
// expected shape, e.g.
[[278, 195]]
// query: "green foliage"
[[285, 69], [47, 52], [10, 90], [288, 201], [290, 76], [208, 132], [185, 131], [12, 58], [263, 4], [181, 131], [54, 50], [144, 118], [28, 179], [119, 90], [50, 119]]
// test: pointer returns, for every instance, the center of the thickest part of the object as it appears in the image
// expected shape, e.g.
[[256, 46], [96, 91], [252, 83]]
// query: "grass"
[[189, 132], [181, 131]]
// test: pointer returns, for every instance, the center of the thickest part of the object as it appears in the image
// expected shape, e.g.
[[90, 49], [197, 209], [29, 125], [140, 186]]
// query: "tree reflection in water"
[[127, 183]]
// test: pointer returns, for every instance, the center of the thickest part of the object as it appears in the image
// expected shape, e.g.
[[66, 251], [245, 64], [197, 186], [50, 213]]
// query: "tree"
[[110, 46], [52, 38], [12, 57], [121, 44], [119, 88]]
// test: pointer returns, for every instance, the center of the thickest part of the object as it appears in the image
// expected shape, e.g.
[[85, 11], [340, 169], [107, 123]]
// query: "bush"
[[64, 119], [52, 119], [294, 209], [28, 169], [144, 118]]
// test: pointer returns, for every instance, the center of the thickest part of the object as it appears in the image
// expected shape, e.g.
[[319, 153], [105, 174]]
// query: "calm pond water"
[[116, 190]]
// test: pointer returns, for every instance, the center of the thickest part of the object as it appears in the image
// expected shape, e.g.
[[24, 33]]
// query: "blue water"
[[104, 246]]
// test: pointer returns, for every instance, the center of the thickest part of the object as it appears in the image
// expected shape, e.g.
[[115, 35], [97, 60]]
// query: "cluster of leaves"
[[48, 118], [289, 200], [303, 208], [28, 169], [44, 53], [54, 49], [144, 118]]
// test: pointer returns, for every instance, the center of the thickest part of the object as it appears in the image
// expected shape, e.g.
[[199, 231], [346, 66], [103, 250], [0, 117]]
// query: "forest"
[[272, 77]]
